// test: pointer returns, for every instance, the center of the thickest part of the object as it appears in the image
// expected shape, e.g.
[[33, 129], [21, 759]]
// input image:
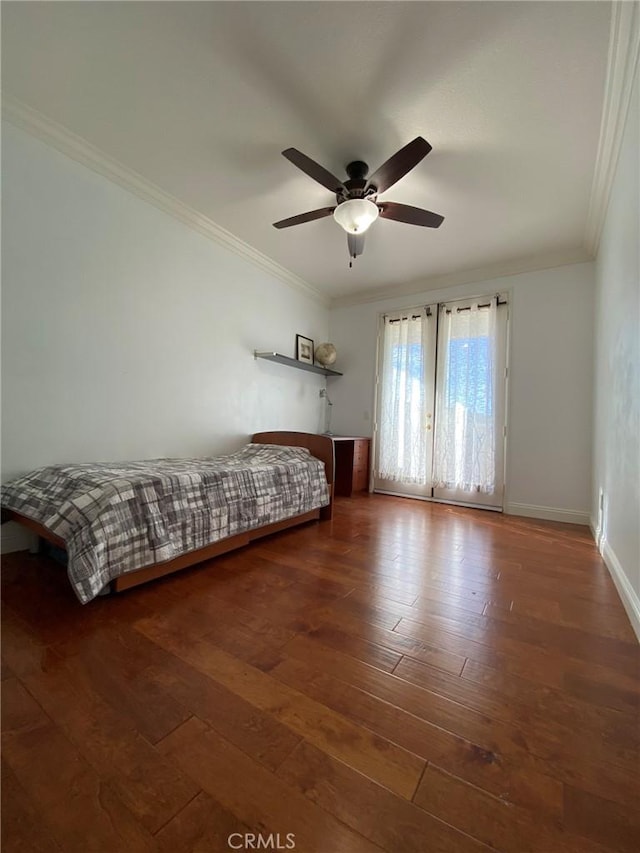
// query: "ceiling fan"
[[357, 205]]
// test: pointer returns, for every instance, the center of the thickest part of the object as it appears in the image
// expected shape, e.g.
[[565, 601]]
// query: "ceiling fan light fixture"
[[356, 215]]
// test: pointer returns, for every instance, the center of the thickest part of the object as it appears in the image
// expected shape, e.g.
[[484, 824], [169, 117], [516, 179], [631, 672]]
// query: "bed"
[[127, 523]]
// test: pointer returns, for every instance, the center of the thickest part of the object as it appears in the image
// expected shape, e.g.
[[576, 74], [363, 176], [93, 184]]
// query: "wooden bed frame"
[[319, 446]]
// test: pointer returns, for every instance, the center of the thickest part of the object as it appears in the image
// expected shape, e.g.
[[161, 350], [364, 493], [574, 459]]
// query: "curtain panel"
[[466, 380], [403, 442]]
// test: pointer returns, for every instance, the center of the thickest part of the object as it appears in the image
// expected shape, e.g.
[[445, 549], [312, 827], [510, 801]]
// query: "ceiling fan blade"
[[355, 243], [304, 217], [313, 169], [397, 166], [410, 215]]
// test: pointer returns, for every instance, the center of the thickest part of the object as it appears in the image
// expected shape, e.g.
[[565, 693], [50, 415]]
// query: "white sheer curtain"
[[402, 440], [465, 437]]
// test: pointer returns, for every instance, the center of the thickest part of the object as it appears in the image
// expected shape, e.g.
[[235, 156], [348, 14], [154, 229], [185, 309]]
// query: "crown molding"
[[78, 149], [622, 62], [469, 276]]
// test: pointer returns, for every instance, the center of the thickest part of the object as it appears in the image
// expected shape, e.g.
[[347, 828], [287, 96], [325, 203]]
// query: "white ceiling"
[[201, 98]]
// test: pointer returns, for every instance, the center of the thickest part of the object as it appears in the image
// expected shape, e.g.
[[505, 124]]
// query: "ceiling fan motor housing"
[[356, 186], [358, 170]]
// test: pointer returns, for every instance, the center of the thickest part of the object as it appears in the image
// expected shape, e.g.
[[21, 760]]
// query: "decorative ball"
[[326, 354]]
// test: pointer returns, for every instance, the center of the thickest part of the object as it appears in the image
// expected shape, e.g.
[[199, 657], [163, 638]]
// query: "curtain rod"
[[468, 308], [483, 305], [447, 310], [413, 317]]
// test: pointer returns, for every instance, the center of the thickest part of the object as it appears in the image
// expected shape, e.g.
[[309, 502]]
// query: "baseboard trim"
[[548, 513], [15, 538], [627, 593]]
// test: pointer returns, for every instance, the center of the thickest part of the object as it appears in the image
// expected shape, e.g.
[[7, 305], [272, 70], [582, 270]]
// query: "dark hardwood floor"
[[408, 677]]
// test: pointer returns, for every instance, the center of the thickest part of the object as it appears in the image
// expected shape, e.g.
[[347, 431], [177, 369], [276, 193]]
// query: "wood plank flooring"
[[410, 677]]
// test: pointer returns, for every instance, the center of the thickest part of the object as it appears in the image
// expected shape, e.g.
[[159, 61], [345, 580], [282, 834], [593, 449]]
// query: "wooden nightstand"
[[352, 464]]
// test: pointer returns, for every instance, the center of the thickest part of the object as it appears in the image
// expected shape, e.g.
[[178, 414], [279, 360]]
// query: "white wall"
[[617, 374], [550, 387], [125, 334]]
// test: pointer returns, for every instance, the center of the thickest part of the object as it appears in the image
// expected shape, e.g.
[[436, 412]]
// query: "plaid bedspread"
[[115, 518]]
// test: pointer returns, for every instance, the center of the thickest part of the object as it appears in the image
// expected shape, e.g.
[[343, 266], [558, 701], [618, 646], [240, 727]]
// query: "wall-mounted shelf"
[[293, 362]]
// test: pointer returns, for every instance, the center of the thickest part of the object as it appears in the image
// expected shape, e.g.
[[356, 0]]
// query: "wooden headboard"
[[320, 446]]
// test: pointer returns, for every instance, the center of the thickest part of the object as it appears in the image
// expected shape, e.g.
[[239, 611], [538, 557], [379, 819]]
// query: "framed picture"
[[304, 349]]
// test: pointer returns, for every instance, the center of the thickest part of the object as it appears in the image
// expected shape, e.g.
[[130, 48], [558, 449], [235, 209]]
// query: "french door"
[[440, 409]]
